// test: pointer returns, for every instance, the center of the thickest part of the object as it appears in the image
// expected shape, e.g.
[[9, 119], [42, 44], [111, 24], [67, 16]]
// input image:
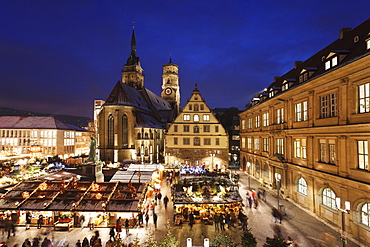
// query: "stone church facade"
[[131, 122]]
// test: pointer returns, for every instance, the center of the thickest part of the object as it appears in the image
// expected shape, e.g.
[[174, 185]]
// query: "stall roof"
[[133, 176], [74, 196]]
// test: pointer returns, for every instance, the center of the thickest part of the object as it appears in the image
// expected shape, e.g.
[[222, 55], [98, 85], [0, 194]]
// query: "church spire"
[[133, 42]]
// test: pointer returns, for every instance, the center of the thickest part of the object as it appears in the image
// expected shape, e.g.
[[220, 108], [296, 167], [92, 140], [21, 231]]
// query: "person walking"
[[140, 218], [191, 219], [228, 220], [155, 218], [216, 221], [146, 219], [159, 196], [127, 225], [85, 242], [165, 201], [35, 242], [78, 244], [82, 220], [112, 233], [278, 216], [222, 222], [28, 220], [26, 243], [40, 221]]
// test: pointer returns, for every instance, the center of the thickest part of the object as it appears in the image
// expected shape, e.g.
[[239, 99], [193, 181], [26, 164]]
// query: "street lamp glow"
[[346, 210], [189, 242], [206, 242], [249, 175], [278, 178]]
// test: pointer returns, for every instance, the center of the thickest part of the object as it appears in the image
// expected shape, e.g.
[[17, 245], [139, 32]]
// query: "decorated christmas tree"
[[248, 240], [169, 240]]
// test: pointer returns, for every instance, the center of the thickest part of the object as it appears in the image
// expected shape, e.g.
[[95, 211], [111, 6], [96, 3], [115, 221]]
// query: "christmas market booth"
[[63, 205], [205, 195]]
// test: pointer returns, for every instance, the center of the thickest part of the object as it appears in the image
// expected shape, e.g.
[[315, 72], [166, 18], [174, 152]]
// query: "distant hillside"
[[77, 121]]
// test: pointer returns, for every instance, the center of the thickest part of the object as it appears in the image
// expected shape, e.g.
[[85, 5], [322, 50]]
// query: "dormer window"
[[271, 94], [273, 91], [368, 44], [334, 58], [306, 74], [287, 83]]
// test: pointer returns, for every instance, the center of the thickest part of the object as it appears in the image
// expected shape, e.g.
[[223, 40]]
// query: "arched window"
[[124, 131], [146, 135], [110, 131], [302, 186], [328, 198], [139, 135], [365, 214], [196, 118], [196, 129]]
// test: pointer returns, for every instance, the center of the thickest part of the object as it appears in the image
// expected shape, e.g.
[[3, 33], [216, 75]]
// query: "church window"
[[124, 131], [196, 118], [139, 135], [110, 131], [146, 135], [168, 81]]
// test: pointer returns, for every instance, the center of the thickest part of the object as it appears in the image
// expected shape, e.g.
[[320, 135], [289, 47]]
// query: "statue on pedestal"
[[92, 153]]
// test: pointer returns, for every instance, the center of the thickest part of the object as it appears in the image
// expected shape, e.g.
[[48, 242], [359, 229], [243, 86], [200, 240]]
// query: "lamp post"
[[278, 178], [249, 175], [344, 211]]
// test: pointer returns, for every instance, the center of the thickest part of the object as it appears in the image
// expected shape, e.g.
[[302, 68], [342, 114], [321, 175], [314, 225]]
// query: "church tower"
[[132, 73], [170, 85]]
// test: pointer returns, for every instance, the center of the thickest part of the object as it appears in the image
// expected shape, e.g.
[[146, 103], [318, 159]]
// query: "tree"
[[151, 242], [276, 241], [222, 240], [169, 240], [248, 240]]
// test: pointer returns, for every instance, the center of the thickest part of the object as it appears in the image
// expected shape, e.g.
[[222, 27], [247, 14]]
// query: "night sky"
[[58, 56]]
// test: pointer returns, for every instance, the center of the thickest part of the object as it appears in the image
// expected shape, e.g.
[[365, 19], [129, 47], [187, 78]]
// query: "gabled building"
[[196, 137], [132, 120], [309, 133]]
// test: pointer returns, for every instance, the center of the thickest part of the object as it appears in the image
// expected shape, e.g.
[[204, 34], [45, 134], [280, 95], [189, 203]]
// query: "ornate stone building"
[[132, 120], [310, 129], [196, 137]]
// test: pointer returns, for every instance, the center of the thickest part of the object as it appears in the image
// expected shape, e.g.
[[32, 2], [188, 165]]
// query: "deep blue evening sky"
[[58, 56]]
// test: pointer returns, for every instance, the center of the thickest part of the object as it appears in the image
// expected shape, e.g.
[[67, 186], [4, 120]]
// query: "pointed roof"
[[133, 59]]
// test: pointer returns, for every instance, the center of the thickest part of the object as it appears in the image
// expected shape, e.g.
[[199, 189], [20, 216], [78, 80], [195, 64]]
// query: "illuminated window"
[[365, 214], [332, 155], [265, 144], [257, 120], [280, 146], [124, 131], [368, 44], [205, 117], [302, 186], [364, 98], [280, 116], [333, 61], [322, 151], [196, 118], [300, 148], [250, 125], [110, 131], [363, 155], [243, 124], [243, 142], [256, 144], [265, 119], [328, 198], [301, 111], [186, 117], [249, 143]]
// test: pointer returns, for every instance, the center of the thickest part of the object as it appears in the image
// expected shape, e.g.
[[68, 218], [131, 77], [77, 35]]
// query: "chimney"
[[343, 32], [276, 78], [297, 63]]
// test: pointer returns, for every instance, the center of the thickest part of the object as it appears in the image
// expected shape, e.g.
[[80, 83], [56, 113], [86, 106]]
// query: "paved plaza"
[[302, 227]]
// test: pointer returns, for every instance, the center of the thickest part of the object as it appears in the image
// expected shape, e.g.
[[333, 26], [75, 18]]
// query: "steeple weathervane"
[[133, 41]]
